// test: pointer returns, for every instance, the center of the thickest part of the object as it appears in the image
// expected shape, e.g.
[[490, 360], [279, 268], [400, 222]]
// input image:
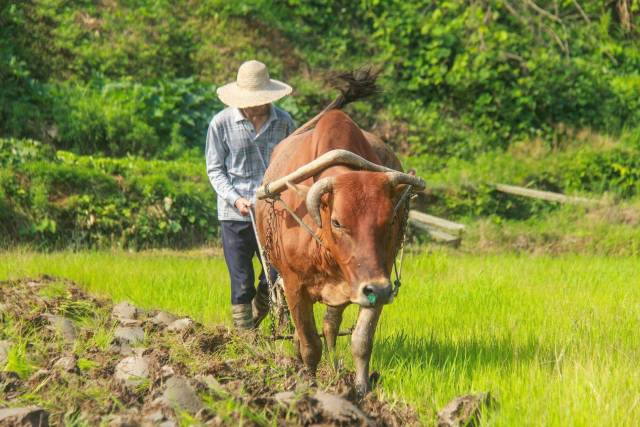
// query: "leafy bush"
[[123, 118], [82, 201], [464, 188]]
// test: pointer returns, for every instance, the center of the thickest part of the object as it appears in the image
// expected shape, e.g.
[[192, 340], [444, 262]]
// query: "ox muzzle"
[[374, 293]]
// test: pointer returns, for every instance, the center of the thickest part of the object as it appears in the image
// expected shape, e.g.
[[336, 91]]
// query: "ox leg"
[[309, 342], [362, 344], [296, 346], [330, 329]]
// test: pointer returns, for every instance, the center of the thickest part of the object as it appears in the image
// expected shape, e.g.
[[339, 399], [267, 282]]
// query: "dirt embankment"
[[69, 358]]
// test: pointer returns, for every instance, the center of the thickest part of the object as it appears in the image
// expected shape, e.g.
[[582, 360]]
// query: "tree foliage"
[[459, 77]]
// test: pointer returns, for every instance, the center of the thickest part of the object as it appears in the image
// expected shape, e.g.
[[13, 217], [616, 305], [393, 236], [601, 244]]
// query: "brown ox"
[[352, 214]]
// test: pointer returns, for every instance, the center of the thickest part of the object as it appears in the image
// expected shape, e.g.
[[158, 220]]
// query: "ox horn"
[[398, 178], [317, 190], [328, 159]]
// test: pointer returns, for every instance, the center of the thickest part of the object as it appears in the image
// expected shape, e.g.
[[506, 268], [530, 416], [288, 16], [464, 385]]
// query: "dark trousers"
[[239, 246]]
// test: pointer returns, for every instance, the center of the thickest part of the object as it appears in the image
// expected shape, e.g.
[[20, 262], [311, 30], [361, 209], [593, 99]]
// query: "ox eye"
[[335, 223]]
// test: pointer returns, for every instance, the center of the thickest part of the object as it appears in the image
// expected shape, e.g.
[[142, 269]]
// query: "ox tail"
[[353, 85]]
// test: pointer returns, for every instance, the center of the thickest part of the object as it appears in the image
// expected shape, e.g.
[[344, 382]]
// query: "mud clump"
[[69, 358], [26, 416], [464, 410]]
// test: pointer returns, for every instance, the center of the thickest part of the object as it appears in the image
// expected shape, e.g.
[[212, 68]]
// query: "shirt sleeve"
[[216, 151], [291, 126]]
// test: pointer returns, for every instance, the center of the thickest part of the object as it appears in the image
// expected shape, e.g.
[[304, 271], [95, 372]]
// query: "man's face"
[[260, 110]]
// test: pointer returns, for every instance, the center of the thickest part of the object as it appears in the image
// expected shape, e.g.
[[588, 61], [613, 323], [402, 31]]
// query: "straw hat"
[[252, 87]]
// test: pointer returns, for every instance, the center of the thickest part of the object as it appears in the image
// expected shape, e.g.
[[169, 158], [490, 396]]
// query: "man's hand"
[[243, 205]]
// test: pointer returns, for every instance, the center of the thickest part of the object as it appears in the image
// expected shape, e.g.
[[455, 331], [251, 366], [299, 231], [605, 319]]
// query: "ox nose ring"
[[370, 294], [375, 294]]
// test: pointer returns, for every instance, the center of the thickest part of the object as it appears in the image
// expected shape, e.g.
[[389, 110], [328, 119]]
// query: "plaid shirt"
[[235, 155]]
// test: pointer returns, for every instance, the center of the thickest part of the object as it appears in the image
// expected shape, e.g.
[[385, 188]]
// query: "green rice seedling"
[[77, 309], [186, 419], [142, 385], [86, 364], [103, 337], [74, 419], [54, 290], [18, 360]]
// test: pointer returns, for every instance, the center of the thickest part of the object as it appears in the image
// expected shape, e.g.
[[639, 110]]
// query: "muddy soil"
[[85, 361]]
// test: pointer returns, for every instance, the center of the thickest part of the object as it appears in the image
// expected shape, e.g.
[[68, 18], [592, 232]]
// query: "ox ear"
[[300, 189]]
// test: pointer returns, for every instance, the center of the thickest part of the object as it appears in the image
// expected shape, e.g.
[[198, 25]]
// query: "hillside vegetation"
[[118, 95]]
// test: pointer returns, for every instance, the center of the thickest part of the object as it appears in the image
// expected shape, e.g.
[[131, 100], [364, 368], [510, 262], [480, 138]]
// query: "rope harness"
[[405, 221], [278, 310]]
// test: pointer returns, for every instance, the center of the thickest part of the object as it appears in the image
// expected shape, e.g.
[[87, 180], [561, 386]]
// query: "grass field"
[[555, 340]]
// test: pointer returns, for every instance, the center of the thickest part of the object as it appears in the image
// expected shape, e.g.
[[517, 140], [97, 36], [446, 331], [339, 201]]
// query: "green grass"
[[555, 339]]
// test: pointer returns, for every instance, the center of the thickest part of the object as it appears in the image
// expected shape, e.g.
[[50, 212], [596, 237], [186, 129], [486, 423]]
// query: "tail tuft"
[[355, 85]]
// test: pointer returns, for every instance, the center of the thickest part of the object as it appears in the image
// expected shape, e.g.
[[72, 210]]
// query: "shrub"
[[463, 188], [120, 118], [79, 201]]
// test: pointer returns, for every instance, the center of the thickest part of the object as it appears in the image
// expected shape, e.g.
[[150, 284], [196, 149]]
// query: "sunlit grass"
[[555, 340], [184, 284]]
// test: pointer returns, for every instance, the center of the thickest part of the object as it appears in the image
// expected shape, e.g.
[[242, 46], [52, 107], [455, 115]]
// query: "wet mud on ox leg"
[[330, 329], [310, 345], [362, 344]]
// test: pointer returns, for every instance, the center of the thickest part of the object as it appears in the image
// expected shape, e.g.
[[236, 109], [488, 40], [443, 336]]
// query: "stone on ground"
[[179, 394], [464, 410], [180, 325], [130, 322], [123, 420], [35, 283], [285, 397], [340, 409], [212, 384], [166, 372], [66, 364], [63, 326], [26, 416], [333, 407], [129, 334], [124, 310], [132, 370], [162, 318]]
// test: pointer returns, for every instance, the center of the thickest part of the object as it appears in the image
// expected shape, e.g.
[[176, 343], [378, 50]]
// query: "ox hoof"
[[308, 377], [374, 379], [361, 392], [363, 389]]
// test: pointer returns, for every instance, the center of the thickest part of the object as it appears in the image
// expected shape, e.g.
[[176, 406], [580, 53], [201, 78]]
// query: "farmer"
[[240, 140]]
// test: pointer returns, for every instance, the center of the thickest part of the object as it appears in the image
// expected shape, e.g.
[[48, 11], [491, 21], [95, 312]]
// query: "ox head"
[[355, 215]]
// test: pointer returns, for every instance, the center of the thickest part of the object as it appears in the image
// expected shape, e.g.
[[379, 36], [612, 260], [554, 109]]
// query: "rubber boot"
[[242, 316], [260, 306]]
